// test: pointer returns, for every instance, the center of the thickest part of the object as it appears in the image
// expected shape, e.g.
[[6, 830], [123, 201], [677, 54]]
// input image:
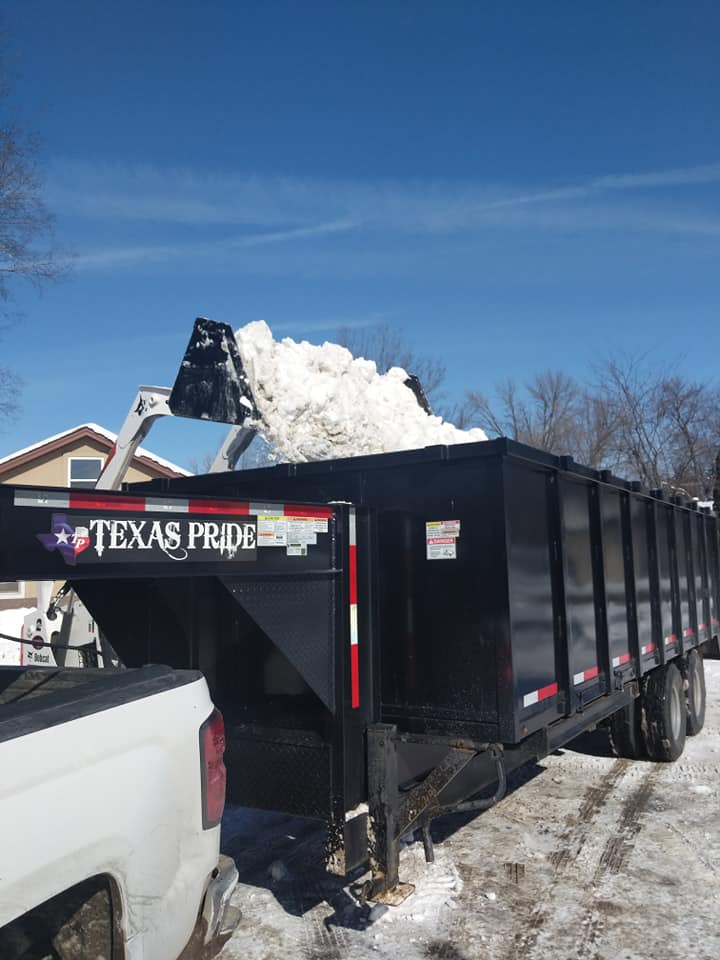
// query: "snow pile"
[[318, 402], [11, 621]]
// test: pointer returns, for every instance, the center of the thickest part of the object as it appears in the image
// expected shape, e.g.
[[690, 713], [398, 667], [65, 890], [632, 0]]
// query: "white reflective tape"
[[578, 678], [353, 625], [266, 509], [352, 528], [165, 505], [530, 698], [42, 498]]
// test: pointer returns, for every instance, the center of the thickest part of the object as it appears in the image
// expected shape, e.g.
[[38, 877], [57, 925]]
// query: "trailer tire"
[[625, 732], [665, 709], [695, 693]]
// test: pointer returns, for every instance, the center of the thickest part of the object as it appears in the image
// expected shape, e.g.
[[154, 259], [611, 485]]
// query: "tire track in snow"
[[616, 852], [571, 843]]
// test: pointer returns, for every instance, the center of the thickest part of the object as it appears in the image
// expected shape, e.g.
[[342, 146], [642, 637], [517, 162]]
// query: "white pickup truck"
[[111, 796]]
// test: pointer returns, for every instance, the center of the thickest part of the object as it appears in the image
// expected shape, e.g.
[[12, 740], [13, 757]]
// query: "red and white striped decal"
[[647, 648], [688, 632], [544, 693], [585, 675], [352, 578], [621, 660], [670, 640], [99, 500]]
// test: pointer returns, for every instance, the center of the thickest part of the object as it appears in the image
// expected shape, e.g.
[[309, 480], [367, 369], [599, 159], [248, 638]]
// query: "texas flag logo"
[[69, 541]]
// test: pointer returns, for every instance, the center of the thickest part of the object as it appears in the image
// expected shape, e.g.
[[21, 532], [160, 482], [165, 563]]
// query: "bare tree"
[[9, 392], [668, 428], [388, 347], [551, 412], [26, 244]]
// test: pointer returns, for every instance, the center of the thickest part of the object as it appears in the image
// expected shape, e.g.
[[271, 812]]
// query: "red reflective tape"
[[236, 507], [648, 648], [298, 510], [715, 621], [591, 673], [549, 691], [623, 658], [701, 627], [352, 572], [688, 632], [355, 676], [87, 500], [671, 639]]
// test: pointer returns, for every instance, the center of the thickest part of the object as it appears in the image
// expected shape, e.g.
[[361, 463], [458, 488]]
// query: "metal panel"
[[699, 576], [666, 636], [711, 540], [639, 519], [296, 613], [579, 582], [271, 771], [614, 569], [529, 575], [685, 628]]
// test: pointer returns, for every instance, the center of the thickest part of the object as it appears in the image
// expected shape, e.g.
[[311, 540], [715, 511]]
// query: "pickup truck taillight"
[[213, 773]]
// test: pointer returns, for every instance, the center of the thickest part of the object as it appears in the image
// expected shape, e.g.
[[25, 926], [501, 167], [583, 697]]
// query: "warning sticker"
[[441, 539], [301, 530], [441, 548], [294, 533], [272, 531]]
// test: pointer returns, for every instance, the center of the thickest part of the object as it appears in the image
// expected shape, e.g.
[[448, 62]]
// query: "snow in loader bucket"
[[212, 383]]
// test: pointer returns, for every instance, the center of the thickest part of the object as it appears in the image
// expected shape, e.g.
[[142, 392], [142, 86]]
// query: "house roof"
[[86, 431]]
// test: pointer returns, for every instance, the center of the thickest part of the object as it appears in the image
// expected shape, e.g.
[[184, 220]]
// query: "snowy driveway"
[[591, 858]]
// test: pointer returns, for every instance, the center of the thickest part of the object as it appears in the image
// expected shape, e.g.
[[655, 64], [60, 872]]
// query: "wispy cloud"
[[164, 252], [264, 211]]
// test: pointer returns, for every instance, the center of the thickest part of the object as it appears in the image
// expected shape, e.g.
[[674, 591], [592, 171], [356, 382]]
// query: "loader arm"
[[149, 405]]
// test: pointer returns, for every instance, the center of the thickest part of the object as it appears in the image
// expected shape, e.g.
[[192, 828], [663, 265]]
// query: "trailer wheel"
[[665, 714], [695, 693], [625, 732]]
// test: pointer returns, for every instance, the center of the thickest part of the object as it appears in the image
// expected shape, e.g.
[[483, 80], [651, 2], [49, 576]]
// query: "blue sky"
[[515, 186]]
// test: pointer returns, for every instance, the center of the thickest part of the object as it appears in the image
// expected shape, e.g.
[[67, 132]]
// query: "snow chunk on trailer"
[[319, 402]]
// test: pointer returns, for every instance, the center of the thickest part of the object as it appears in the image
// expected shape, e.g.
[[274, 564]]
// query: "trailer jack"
[[395, 813]]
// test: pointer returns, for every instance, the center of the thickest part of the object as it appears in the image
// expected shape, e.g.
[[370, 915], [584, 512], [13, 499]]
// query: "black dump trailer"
[[406, 628]]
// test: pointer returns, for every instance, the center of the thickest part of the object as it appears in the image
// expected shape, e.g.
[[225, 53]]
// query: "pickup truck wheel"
[[665, 714], [625, 732], [695, 693]]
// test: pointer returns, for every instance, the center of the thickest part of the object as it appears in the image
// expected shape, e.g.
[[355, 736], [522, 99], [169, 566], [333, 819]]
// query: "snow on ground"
[[11, 621], [587, 858], [318, 402]]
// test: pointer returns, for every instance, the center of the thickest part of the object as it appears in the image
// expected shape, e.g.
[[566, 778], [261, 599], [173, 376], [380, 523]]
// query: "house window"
[[11, 588], [84, 471]]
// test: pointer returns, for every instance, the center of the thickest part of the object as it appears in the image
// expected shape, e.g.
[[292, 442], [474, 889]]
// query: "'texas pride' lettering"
[[112, 539]]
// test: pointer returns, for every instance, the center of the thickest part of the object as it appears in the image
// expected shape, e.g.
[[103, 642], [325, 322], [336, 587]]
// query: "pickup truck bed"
[[71, 694]]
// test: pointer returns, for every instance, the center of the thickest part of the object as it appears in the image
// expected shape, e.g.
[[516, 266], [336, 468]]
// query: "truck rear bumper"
[[219, 916]]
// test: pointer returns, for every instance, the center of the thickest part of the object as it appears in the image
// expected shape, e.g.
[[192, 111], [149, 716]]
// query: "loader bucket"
[[211, 383]]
